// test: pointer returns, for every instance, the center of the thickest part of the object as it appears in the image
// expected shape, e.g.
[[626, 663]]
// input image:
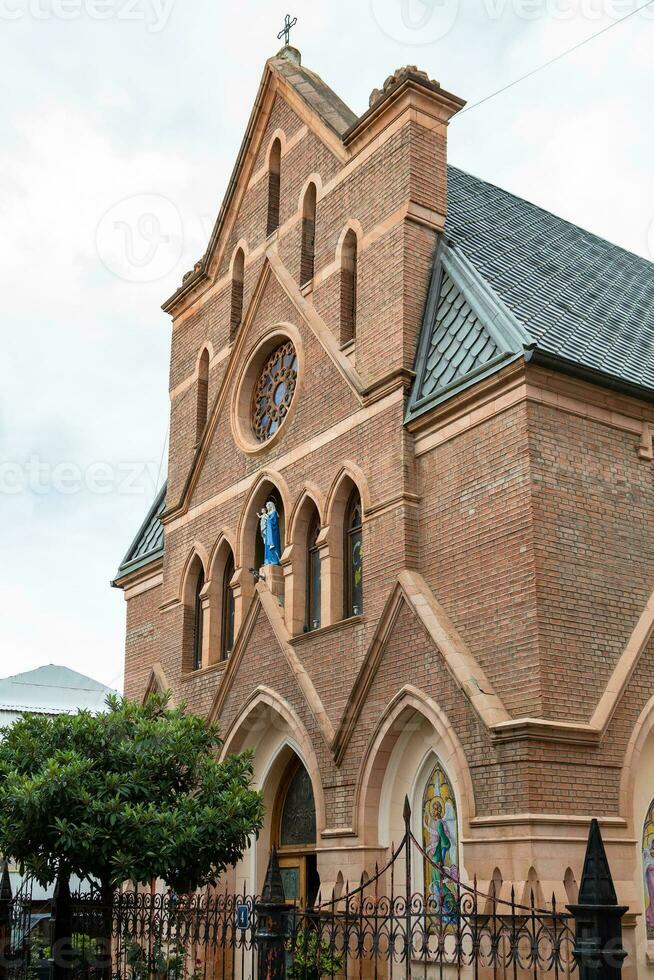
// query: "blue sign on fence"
[[242, 916]]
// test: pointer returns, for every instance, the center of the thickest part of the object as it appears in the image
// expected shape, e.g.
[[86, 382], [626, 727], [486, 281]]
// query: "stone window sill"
[[342, 624], [191, 675]]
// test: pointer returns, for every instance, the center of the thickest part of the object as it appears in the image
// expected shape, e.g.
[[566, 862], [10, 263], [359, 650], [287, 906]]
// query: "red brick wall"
[[142, 641]]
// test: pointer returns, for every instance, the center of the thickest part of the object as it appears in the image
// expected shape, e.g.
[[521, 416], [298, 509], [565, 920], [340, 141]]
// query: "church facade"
[[405, 548]]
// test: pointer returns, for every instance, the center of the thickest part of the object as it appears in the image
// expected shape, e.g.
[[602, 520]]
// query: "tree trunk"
[[62, 931], [105, 949]]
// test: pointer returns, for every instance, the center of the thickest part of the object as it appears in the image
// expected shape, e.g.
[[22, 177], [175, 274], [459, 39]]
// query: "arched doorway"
[[294, 834]]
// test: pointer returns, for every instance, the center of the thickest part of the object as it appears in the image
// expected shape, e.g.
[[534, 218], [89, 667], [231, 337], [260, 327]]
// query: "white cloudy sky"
[[115, 108]]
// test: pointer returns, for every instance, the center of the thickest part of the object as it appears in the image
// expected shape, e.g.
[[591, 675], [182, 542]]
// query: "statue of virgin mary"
[[269, 525]]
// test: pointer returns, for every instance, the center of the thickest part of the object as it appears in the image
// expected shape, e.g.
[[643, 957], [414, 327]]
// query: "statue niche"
[[269, 547], [270, 534]]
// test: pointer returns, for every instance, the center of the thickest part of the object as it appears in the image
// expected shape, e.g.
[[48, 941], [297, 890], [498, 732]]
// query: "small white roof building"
[[49, 690]]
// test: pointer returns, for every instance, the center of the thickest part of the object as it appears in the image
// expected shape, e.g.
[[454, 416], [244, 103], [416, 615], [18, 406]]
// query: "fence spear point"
[[407, 809]]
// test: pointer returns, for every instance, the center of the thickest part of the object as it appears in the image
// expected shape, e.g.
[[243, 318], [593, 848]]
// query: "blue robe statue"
[[270, 533]]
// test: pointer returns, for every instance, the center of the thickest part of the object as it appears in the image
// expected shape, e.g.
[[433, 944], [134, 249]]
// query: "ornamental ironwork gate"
[[391, 925]]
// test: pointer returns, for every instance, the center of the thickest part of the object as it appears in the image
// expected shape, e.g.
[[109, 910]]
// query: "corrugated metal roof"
[[148, 545], [50, 690]]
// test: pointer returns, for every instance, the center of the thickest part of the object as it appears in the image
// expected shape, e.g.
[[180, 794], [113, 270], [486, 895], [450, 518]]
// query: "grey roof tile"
[[580, 297], [458, 340], [148, 545]]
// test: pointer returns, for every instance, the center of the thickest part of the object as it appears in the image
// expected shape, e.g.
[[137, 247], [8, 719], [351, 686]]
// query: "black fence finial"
[[272, 925], [596, 887], [598, 945], [5, 886], [273, 886]]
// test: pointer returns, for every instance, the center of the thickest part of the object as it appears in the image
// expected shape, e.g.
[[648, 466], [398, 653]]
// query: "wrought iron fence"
[[388, 926], [456, 931], [204, 936]]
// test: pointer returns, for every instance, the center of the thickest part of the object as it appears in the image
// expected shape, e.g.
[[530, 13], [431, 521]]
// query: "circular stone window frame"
[[242, 401]]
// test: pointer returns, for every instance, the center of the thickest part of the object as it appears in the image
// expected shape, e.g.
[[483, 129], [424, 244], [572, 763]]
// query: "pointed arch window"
[[353, 556], [198, 622], [238, 273], [202, 397], [274, 186], [349, 275], [313, 574], [228, 607], [307, 260], [440, 837], [298, 816], [648, 870]]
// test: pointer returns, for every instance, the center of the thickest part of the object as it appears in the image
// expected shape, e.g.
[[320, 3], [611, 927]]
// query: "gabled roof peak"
[[290, 53]]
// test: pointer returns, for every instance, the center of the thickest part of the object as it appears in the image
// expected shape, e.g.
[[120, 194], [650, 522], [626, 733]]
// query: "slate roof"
[[49, 690], [458, 342], [577, 296], [148, 545]]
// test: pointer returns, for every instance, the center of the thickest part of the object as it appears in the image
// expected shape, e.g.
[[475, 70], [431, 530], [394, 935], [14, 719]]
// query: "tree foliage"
[[133, 793]]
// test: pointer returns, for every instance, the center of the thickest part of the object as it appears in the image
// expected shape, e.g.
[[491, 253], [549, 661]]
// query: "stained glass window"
[[648, 870], [274, 391], [198, 622], [298, 823], [440, 838], [353, 557], [313, 576], [227, 638]]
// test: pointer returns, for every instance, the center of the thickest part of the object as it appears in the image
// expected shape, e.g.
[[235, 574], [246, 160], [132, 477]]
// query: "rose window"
[[274, 391]]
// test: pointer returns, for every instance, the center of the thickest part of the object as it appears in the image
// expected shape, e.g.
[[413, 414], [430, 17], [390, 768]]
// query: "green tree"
[[134, 793]]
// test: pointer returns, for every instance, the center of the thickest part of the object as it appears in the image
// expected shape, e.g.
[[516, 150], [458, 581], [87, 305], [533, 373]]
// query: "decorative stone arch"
[[197, 553], [636, 796], [308, 503], [224, 547], [643, 728], [208, 347], [270, 726], [351, 225], [314, 179], [333, 565], [348, 471], [280, 135], [202, 367], [274, 168], [237, 275], [196, 563], [242, 245], [348, 251], [311, 492], [410, 713]]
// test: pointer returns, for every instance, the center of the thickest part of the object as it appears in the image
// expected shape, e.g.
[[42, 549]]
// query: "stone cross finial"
[[286, 30]]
